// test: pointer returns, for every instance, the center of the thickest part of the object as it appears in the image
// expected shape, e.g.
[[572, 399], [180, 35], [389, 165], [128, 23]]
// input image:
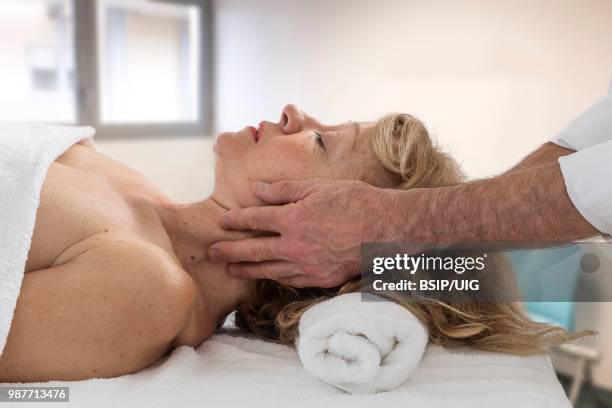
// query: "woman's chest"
[[81, 205]]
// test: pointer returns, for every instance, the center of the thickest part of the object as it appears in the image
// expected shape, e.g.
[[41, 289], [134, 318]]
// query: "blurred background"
[[158, 79]]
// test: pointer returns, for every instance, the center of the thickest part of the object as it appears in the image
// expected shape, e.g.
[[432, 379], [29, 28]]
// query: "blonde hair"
[[403, 146], [410, 159]]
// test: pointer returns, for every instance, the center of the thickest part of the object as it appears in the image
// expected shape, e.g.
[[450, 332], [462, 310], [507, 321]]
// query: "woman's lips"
[[257, 132], [260, 129], [254, 133]]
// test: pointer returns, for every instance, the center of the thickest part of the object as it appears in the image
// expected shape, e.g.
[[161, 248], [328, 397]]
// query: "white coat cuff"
[[588, 180]]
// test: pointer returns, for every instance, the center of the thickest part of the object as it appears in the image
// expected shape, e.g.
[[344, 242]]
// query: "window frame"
[[87, 72]]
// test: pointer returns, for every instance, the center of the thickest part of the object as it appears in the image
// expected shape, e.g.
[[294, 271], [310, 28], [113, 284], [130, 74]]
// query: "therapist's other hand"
[[320, 225]]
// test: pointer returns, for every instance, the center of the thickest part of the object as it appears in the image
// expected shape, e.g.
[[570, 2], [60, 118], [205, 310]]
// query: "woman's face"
[[296, 147]]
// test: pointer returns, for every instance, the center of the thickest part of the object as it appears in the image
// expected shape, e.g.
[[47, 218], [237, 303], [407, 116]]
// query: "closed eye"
[[319, 140]]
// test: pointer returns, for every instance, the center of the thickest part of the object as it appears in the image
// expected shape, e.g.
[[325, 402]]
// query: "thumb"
[[281, 192]]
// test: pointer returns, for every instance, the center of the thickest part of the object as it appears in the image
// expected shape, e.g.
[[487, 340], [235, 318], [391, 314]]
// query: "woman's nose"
[[292, 119]]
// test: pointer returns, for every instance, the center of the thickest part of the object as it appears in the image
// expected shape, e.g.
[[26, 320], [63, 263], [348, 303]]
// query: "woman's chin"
[[232, 145]]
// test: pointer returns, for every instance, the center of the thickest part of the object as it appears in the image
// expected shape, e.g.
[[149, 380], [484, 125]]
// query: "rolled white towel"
[[361, 346]]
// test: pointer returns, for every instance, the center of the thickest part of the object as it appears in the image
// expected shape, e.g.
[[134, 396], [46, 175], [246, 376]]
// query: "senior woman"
[[118, 275]]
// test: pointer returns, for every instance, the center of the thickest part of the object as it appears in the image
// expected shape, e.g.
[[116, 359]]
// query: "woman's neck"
[[192, 228]]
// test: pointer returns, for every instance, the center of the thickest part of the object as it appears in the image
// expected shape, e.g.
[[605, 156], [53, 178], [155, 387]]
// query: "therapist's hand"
[[321, 225]]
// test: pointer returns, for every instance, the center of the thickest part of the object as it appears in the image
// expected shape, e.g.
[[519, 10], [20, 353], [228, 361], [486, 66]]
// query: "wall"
[[181, 165]]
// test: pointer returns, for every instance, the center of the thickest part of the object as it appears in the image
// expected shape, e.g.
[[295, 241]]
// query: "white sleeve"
[[590, 128], [588, 180], [588, 172]]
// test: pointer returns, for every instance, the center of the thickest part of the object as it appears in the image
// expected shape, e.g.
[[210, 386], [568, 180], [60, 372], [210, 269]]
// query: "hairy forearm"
[[527, 205]]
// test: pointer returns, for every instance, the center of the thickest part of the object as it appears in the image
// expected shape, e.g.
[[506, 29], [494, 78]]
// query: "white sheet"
[[26, 152], [236, 371]]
